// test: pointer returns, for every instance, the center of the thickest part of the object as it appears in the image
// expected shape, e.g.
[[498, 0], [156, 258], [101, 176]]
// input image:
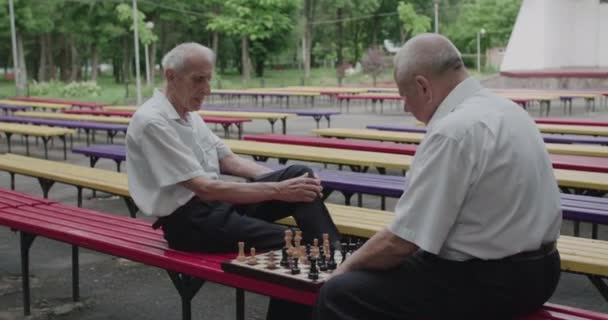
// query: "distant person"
[[474, 233], [174, 162]]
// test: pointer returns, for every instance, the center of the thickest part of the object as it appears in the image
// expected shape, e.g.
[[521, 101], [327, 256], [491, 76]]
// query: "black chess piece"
[[308, 249], [313, 273], [331, 264], [322, 263], [284, 262], [344, 251], [294, 266]]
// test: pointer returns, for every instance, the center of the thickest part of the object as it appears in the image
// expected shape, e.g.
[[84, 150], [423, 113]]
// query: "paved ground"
[[118, 289]]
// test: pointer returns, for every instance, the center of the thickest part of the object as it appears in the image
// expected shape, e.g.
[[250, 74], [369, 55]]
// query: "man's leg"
[[311, 217], [426, 287]]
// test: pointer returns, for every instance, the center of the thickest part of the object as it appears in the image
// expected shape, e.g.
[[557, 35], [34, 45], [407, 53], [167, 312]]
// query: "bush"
[[41, 88], [79, 89]]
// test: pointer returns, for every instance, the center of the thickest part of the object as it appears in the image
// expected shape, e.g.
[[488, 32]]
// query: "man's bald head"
[[429, 54]]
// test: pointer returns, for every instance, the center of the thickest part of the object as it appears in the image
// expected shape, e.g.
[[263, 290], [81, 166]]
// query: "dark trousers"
[[215, 226], [428, 287]]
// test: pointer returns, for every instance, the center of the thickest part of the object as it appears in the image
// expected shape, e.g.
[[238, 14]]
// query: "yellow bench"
[[42, 105], [74, 117], [412, 137], [43, 132], [578, 255], [358, 161]]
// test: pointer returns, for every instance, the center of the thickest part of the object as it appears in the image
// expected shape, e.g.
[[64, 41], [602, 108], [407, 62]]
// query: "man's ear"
[[169, 74], [424, 87]]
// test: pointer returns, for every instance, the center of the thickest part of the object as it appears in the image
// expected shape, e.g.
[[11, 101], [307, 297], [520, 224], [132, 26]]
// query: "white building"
[[555, 35]]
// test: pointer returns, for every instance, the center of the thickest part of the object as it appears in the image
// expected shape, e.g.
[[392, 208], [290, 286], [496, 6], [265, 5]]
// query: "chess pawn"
[[241, 256], [284, 262], [253, 260], [294, 266], [313, 273]]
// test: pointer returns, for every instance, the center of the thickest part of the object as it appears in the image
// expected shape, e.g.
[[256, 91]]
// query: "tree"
[[413, 23], [254, 20], [373, 63]]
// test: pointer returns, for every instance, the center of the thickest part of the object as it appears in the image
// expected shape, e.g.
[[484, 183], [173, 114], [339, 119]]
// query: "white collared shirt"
[[481, 183], [164, 150]]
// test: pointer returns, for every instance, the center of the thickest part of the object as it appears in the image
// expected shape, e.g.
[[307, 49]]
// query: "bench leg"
[[240, 304], [75, 275], [45, 141], [187, 287], [272, 121], [8, 141], [600, 285], [131, 206], [26, 241], [46, 185], [12, 174]]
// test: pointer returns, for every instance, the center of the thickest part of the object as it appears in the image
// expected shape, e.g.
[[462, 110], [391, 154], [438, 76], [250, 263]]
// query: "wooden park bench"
[[45, 133], [135, 240]]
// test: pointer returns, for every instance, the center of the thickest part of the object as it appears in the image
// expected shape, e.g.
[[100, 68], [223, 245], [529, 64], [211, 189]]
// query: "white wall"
[[558, 34]]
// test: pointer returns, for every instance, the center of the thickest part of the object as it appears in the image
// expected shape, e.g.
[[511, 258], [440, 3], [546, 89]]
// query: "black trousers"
[[215, 226], [428, 287]]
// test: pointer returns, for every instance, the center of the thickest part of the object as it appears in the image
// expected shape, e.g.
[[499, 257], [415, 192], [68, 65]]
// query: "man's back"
[[512, 204]]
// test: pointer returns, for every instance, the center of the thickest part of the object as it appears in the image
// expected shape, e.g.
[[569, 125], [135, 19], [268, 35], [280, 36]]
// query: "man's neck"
[[181, 110]]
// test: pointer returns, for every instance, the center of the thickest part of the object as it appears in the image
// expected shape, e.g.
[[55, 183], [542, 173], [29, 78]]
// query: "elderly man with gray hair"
[[174, 163], [474, 232]]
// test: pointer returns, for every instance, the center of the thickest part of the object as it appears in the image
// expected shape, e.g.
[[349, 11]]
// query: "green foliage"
[[80, 89], [413, 23], [497, 17], [43, 88]]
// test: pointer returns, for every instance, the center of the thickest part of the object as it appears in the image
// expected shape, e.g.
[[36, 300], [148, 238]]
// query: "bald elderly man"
[[174, 162], [474, 233]]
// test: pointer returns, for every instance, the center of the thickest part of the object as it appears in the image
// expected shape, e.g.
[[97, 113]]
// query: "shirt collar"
[[165, 105], [462, 91]]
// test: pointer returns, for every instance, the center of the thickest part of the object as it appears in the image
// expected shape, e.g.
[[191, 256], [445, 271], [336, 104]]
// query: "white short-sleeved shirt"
[[481, 184], [164, 150]]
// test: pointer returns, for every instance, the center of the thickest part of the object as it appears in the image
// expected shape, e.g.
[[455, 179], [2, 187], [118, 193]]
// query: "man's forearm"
[[382, 251], [233, 192], [242, 167]]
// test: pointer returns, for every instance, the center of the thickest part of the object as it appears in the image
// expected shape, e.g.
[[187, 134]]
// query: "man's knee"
[[331, 298], [297, 170]]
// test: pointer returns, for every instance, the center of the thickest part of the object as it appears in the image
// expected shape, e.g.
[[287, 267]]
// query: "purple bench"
[[316, 115], [88, 127], [575, 207], [548, 138], [11, 108]]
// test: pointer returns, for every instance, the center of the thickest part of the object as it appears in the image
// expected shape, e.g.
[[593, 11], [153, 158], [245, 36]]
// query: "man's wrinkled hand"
[[300, 189]]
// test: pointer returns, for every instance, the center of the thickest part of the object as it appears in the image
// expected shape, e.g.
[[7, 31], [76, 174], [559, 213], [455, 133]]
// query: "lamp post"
[[136, 40], [480, 34], [436, 4], [149, 26]]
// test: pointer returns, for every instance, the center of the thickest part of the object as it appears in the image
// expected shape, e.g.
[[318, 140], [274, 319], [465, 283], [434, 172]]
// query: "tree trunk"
[[75, 65], [116, 70], [355, 32], [309, 17], [50, 60], [21, 76], [65, 60], [245, 57], [215, 42], [126, 60], [94, 62], [340, 37], [42, 69], [153, 62]]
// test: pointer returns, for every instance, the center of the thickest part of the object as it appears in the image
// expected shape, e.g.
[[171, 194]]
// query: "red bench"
[[87, 104], [225, 122], [570, 162], [135, 240]]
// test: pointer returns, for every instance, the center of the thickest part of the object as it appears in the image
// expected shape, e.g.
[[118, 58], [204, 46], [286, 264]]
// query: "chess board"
[[280, 275]]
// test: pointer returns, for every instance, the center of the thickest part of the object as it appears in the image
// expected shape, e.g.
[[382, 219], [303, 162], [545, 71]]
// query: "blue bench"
[[578, 208], [548, 138], [316, 115]]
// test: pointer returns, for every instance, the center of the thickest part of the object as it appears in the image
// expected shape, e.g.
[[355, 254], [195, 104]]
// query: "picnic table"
[[36, 105], [74, 103]]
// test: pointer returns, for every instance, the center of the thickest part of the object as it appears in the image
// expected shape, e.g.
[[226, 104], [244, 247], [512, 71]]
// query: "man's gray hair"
[[176, 57], [426, 54]]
